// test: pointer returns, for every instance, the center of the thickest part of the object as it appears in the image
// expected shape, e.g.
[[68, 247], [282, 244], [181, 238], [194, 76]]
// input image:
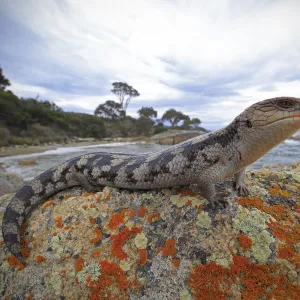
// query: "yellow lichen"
[[141, 241]]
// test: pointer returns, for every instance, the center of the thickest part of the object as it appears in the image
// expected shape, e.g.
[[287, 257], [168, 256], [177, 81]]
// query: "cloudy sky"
[[209, 59]]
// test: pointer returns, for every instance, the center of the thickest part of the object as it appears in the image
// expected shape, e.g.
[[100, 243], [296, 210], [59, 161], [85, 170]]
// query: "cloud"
[[200, 57]]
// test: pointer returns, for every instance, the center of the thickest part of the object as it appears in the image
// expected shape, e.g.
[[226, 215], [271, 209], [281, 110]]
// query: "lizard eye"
[[285, 103]]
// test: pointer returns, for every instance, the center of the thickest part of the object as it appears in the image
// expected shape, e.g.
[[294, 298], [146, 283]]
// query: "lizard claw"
[[241, 189], [218, 202]]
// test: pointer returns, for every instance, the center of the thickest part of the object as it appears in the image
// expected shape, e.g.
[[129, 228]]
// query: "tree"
[[195, 123], [186, 123], [147, 112], [124, 92], [174, 117], [4, 82], [144, 126], [191, 123], [110, 110]]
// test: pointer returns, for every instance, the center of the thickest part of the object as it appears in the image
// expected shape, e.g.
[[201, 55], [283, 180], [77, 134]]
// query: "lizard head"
[[280, 114], [264, 125]]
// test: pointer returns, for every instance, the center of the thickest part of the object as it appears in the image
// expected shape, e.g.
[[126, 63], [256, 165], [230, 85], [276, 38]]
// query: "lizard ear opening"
[[248, 124]]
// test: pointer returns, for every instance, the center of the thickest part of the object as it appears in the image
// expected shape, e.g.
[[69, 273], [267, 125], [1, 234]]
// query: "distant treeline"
[[30, 121]]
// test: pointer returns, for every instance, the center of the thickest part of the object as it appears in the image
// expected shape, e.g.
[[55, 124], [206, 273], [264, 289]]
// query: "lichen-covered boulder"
[[166, 244]]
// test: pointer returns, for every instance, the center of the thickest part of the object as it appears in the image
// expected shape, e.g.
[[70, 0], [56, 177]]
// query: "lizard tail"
[[29, 196]]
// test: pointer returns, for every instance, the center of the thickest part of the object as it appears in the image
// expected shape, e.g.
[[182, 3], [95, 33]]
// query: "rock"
[[27, 162], [164, 244], [172, 137], [9, 182]]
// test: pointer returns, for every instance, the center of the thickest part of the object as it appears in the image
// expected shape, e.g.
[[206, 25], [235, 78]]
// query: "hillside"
[[33, 122]]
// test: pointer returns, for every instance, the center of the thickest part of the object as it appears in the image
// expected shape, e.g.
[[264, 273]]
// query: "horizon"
[[208, 60]]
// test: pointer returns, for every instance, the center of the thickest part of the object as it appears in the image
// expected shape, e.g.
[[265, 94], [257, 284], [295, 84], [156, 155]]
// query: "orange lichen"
[[188, 192], [58, 222], [111, 284], [200, 209], [278, 212], [245, 242], [96, 253], [153, 217], [169, 249], [257, 281], [127, 213], [288, 233], [24, 248], [23, 228], [98, 236], [48, 203], [189, 202], [63, 259], [86, 194], [14, 262], [68, 196], [40, 259], [92, 205], [143, 257], [29, 297], [275, 190], [250, 201], [176, 263], [206, 280], [79, 264], [67, 227], [115, 221], [63, 272], [142, 211], [286, 252], [120, 239], [98, 198], [85, 206], [92, 220], [1, 242], [135, 285]]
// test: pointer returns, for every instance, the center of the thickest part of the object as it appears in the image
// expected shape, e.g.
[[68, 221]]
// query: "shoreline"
[[20, 150]]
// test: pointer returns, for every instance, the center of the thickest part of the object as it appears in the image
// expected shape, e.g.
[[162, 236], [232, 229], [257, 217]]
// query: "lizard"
[[200, 162]]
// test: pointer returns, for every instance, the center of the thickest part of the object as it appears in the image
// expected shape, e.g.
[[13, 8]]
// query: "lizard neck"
[[257, 142]]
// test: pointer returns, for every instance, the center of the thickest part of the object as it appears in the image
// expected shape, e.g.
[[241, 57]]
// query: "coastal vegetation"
[[29, 121]]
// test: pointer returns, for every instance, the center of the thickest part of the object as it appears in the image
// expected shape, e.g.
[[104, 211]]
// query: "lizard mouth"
[[296, 116]]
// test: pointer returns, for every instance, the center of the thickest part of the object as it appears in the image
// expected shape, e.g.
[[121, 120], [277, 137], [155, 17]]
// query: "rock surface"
[[27, 162], [9, 182], [166, 244]]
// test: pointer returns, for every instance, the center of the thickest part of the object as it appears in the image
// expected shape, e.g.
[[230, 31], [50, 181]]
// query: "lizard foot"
[[218, 202], [241, 189]]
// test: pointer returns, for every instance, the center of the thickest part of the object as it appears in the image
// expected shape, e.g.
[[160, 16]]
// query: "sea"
[[284, 154]]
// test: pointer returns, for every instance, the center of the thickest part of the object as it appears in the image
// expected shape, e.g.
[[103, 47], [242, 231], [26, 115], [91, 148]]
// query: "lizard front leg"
[[239, 183]]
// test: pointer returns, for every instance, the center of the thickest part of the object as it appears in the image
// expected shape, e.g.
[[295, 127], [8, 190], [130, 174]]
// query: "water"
[[285, 154]]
